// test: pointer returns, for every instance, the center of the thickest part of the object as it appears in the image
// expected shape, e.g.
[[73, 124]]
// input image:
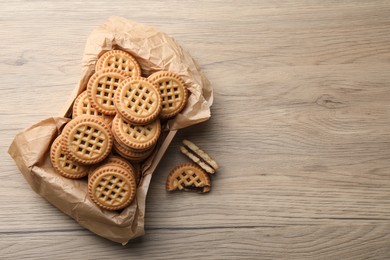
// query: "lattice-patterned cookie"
[[138, 137], [189, 177], [173, 92], [121, 60], [111, 187], [82, 106], [101, 89], [138, 100], [119, 161], [87, 139], [63, 165], [130, 154]]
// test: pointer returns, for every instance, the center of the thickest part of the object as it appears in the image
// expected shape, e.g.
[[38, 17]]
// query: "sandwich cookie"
[[119, 161], [112, 187], [188, 177], [131, 154], [117, 59], [138, 101], [199, 156], [101, 89], [63, 165], [87, 140], [82, 106], [136, 137], [173, 92]]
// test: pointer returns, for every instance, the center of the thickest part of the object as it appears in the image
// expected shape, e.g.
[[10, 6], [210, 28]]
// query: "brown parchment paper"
[[154, 51]]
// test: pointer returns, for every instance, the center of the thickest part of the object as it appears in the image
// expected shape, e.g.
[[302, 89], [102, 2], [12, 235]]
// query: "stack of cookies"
[[119, 112]]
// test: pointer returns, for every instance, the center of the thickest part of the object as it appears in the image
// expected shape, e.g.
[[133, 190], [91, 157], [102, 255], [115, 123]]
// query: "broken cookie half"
[[199, 156], [189, 177]]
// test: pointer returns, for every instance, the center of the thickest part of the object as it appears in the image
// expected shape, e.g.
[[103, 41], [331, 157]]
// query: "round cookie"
[[111, 187], [130, 154], [189, 177], [63, 165], [173, 92], [137, 100], [120, 60], [139, 137], [101, 89], [87, 140], [82, 106], [121, 163]]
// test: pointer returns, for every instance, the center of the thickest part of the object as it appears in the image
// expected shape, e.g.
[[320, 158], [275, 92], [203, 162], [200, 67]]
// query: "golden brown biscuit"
[[111, 187], [138, 101], [120, 60], [87, 140], [63, 165], [101, 89], [188, 177], [199, 156], [136, 137], [130, 154], [173, 92], [118, 140], [82, 106], [121, 162]]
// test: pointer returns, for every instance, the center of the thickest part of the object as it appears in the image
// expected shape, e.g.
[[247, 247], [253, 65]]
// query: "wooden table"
[[300, 126]]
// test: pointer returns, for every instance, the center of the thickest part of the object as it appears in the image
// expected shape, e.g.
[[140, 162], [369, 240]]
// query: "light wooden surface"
[[300, 126]]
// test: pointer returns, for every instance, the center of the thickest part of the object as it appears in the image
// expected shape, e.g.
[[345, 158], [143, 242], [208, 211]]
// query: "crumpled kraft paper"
[[154, 51]]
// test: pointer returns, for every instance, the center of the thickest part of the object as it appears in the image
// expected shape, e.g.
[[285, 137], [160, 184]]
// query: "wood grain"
[[300, 126]]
